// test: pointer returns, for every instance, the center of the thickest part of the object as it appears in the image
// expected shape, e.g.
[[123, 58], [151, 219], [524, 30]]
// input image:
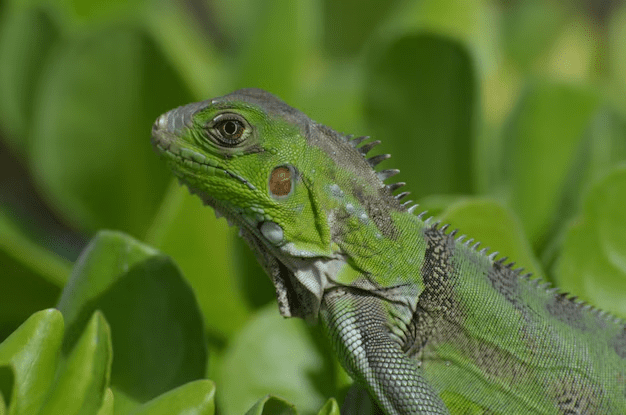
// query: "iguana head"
[[295, 188]]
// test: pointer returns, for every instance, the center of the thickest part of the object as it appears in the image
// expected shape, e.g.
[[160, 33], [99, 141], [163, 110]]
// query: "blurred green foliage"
[[507, 119]]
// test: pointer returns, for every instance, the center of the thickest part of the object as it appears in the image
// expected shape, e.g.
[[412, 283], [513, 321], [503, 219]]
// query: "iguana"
[[427, 322]]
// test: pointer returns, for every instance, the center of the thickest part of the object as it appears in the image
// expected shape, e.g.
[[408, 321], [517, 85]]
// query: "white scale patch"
[[272, 232], [336, 191]]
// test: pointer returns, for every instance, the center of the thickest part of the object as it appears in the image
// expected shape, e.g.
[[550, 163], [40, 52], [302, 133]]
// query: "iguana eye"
[[231, 130], [228, 129]]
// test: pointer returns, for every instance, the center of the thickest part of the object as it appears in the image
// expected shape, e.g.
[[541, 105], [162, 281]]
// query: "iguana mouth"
[[190, 158]]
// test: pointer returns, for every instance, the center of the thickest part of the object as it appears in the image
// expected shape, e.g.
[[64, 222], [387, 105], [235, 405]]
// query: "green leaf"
[[530, 28], [91, 132], [496, 226], [32, 351], [107, 403], [276, 54], [27, 36], [359, 402], [602, 148], [593, 261], [345, 37], [7, 380], [85, 374], [420, 100], [277, 356], [540, 140], [617, 59], [89, 12], [472, 23], [203, 246], [187, 46], [155, 322], [252, 279], [272, 405], [196, 397], [107, 258], [31, 277], [330, 408]]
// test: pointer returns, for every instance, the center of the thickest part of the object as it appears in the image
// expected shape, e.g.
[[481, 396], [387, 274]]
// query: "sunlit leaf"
[[329, 408], [107, 403], [602, 147], [33, 352], [617, 59], [277, 356], [85, 374], [192, 398]]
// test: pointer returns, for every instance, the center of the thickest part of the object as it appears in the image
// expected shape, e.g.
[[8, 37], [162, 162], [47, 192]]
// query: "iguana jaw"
[[300, 270], [294, 299]]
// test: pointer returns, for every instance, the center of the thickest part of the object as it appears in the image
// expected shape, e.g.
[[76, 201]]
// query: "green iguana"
[[427, 322]]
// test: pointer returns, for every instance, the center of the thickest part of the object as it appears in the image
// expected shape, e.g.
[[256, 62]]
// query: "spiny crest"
[[538, 283], [375, 160]]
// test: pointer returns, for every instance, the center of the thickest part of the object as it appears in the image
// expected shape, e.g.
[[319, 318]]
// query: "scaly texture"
[[425, 321]]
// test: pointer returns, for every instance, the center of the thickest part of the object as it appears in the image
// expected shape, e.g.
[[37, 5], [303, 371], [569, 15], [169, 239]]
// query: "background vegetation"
[[506, 117]]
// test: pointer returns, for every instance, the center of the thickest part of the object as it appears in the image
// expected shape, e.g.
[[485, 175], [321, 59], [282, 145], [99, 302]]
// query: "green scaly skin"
[[429, 324]]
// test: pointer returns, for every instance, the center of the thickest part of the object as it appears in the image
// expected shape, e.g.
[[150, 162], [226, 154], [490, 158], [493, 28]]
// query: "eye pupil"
[[228, 132], [230, 127]]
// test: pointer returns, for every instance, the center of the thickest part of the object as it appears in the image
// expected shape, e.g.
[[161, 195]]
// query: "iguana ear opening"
[[281, 181]]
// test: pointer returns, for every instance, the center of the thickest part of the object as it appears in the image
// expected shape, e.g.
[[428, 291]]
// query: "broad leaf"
[[540, 140], [196, 397], [32, 351], [530, 28], [275, 55], [277, 356], [593, 262], [84, 376], [202, 246], [30, 279], [346, 37], [329, 408], [421, 98], [107, 403], [91, 130], [272, 405], [27, 36], [156, 326]]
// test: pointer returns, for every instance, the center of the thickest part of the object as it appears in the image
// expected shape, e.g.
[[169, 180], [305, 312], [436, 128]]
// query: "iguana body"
[[428, 323]]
